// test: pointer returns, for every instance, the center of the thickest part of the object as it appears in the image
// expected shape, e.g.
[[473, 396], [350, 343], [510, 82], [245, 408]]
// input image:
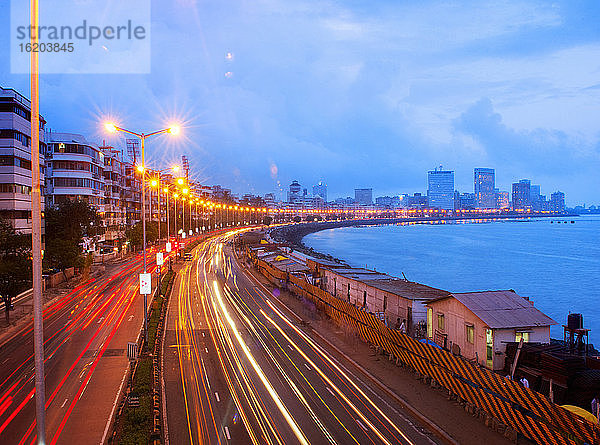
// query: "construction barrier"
[[520, 408]]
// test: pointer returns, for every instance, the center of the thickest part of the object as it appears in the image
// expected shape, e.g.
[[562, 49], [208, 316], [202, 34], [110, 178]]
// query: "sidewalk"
[[430, 402]]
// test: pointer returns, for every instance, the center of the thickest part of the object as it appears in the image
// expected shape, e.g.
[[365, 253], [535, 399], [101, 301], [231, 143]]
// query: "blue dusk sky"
[[355, 93]]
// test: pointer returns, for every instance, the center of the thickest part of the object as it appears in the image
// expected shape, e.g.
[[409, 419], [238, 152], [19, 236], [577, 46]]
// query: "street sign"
[[168, 247], [159, 259], [132, 350], [145, 283]]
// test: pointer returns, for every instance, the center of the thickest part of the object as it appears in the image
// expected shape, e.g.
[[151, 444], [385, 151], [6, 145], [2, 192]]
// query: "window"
[[470, 334], [429, 322], [522, 335], [441, 322], [364, 298], [384, 303], [348, 291]]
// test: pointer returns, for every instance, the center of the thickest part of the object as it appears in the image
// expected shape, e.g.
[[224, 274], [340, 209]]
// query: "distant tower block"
[[186, 166], [133, 149]]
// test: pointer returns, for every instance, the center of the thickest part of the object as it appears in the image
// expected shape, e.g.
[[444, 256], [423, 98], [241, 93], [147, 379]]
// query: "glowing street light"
[[112, 128]]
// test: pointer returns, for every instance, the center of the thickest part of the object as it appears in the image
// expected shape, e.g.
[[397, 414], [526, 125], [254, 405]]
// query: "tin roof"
[[403, 288], [503, 309]]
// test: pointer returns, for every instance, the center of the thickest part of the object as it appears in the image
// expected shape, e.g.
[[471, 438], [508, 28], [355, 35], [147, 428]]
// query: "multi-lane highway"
[[239, 369], [86, 332]]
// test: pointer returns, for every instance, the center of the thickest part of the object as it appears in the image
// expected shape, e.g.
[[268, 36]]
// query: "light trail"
[[291, 422]]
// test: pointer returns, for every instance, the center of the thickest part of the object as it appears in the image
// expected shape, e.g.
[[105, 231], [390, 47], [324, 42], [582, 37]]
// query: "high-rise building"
[[502, 199], [15, 159], [521, 194], [363, 197], [557, 202], [320, 190], [484, 188], [294, 194], [440, 189]]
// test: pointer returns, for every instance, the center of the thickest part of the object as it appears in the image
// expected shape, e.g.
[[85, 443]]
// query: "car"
[[188, 257]]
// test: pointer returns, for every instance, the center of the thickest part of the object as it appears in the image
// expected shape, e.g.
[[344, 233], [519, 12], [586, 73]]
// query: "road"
[[85, 332], [238, 369]]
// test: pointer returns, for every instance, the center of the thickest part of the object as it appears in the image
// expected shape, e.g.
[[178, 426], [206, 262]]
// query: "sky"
[[354, 93]]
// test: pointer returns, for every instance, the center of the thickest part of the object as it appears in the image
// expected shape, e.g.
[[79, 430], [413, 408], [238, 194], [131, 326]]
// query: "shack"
[[390, 297], [478, 325]]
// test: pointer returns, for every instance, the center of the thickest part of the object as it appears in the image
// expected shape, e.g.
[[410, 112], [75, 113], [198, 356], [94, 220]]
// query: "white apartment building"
[[75, 171], [15, 159]]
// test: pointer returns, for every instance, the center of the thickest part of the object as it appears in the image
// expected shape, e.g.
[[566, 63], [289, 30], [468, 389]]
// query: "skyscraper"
[[440, 189], [484, 187], [363, 197], [320, 190], [294, 193], [521, 197], [557, 202]]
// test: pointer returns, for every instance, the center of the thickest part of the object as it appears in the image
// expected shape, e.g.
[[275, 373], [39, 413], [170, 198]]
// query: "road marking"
[[203, 335], [130, 318], [217, 397], [227, 433], [361, 425], [64, 403], [100, 320], [290, 346], [307, 367], [206, 349], [329, 389]]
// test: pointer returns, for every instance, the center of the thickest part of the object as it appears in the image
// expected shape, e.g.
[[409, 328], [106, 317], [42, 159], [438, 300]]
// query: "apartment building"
[[15, 159]]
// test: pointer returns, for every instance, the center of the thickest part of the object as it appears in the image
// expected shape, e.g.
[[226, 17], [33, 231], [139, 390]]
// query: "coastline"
[[293, 234]]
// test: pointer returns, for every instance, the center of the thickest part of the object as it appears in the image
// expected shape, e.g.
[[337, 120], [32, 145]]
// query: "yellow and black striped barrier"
[[523, 409]]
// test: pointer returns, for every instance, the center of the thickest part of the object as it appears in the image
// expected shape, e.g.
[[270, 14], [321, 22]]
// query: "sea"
[[553, 261]]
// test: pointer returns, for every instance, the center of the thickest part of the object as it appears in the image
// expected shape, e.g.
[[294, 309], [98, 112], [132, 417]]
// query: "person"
[[596, 406], [524, 382], [403, 327], [397, 326]]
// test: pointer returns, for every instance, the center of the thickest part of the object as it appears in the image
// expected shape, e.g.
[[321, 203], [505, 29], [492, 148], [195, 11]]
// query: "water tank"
[[575, 321]]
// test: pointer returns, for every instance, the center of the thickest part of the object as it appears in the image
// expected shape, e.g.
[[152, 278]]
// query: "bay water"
[[553, 261]]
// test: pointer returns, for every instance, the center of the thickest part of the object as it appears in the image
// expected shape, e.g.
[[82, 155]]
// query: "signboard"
[[145, 283], [159, 259], [168, 247]]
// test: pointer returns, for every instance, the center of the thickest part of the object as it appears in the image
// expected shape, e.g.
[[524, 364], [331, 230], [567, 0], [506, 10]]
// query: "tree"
[[135, 233], [66, 226], [15, 264]]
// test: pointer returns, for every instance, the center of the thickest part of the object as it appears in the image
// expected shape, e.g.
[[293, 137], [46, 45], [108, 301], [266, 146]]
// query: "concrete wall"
[[59, 277], [456, 318], [395, 306]]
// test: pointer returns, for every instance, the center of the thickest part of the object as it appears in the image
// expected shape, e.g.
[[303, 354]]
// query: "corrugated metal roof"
[[405, 289], [503, 309]]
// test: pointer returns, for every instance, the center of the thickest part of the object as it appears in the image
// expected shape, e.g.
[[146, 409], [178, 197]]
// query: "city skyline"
[[505, 95]]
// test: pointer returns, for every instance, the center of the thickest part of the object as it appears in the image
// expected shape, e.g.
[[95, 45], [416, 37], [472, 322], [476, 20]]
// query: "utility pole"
[[36, 234]]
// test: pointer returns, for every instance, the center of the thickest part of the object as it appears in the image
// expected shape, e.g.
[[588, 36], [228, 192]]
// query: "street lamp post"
[[36, 234], [166, 190], [112, 128]]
